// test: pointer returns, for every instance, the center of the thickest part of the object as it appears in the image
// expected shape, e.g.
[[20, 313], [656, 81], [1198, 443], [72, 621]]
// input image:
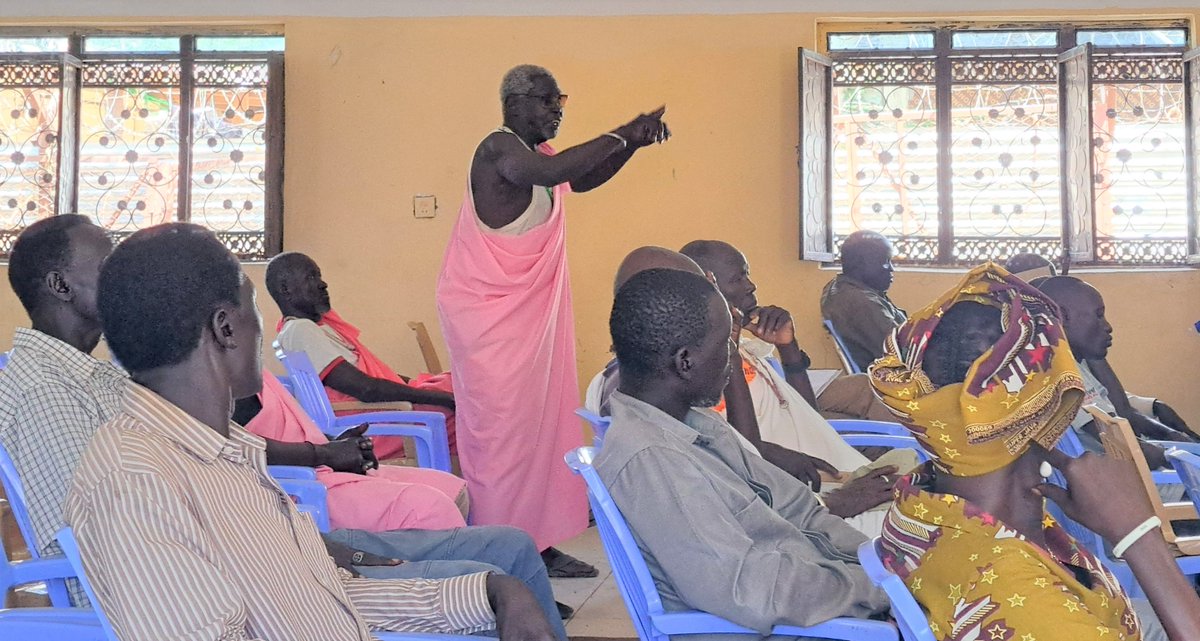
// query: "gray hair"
[[519, 80]]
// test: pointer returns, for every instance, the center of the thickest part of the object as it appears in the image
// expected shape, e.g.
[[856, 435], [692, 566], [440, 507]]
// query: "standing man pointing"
[[504, 301]]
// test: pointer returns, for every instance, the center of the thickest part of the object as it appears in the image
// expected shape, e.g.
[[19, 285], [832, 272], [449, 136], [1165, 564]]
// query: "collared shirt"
[[52, 398], [323, 345], [785, 418], [185, 536], [862, 316], [977, 578], [724, 531]]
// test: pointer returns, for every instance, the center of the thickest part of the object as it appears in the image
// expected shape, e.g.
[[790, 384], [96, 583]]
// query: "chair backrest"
[[433, 364], [1120, 442], [776, 365], [599, 425], [3, 360], [843, 352], [629, 568], [307, 387], [66, 540], [15, 492], [910, 618], [286, 382]]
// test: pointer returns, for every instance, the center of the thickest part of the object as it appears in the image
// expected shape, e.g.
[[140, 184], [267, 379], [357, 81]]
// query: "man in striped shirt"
[[181, 530]]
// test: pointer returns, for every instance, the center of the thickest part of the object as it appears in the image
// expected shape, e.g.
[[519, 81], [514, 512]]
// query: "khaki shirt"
[[724, 531], [862, 316]]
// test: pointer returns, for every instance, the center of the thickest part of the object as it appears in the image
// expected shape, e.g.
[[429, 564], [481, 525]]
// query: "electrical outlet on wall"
[[424, 206]]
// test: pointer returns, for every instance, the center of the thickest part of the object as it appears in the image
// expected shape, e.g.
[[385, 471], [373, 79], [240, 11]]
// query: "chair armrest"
[[311, 497], [1194, 448], [696, 622], [38, 570], [1165, 477], [360, 406], [857, 426], [296, 472], [427, 429], [51, 624]]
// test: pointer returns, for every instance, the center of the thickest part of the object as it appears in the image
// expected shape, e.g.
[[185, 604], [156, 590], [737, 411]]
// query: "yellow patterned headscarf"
[[1025, 388]]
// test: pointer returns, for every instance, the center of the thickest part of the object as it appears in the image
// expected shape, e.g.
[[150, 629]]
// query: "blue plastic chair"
[[861, 426], [910, 617], [311, 497], [286, 382], [66, 539], [842, 350], [652, 622], [51, 570], [3, 360], [599, 425], [50, 624], [427, 429]]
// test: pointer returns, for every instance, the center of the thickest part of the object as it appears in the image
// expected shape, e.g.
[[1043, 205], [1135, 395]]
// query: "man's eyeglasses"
[[547, 101]]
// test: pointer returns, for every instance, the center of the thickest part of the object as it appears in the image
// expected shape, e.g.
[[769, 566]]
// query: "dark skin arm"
[[349, 380], [349, 452], [739, 408], [1144, 426], [1155, 456], [504, 169]]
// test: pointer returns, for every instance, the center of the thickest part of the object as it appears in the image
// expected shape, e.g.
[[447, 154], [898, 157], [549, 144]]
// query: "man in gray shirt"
[[721, 531]]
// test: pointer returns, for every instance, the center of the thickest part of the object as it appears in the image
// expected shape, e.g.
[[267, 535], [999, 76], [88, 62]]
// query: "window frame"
[[817, 241], [77, 58]]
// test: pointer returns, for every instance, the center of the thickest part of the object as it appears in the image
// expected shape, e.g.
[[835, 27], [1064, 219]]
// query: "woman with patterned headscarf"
[[984, 379]]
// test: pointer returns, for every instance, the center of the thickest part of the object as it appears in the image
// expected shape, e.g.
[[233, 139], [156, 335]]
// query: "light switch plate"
[[424, 206]]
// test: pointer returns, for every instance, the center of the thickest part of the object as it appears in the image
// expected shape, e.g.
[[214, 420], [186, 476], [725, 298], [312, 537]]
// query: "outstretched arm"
[[585, 166]]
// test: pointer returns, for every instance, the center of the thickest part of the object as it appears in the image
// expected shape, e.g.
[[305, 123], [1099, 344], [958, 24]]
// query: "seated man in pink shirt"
[[350, 371]]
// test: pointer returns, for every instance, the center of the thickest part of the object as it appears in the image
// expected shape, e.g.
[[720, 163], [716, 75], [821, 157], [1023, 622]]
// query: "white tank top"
[[538, 211]]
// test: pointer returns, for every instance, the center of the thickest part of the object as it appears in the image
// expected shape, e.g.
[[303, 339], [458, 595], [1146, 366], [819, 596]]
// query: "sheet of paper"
[[821, 378]]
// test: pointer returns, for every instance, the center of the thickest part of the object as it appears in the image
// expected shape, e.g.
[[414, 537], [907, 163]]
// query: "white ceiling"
[[427, 8]]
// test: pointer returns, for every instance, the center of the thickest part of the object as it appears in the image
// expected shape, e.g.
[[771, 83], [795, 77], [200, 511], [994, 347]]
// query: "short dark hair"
[[657, 312], [278, 269], [41, 248], [160, 288], [858, 245]]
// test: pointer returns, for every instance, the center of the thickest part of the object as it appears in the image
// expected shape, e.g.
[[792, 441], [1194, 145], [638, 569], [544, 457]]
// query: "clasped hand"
[[352, 451]]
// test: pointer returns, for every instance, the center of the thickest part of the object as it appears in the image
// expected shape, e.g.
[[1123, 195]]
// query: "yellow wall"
[[381, 109]]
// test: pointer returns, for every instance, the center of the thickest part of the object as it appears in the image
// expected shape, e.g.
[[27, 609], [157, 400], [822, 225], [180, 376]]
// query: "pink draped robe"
[[390, 498], [504, 302]]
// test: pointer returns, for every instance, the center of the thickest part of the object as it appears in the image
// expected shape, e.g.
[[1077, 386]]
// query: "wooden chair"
[[1121, 443], [433, 365]]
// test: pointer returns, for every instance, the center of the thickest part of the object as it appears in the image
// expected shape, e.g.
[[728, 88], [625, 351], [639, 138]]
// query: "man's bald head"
[[1027, 266], [729, 267], [651, 257], [867, 258], [295, 284], [1082, 307]]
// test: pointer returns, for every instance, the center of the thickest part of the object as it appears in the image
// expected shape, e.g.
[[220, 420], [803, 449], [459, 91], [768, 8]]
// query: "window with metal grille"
[[134, 130], [966, 142]]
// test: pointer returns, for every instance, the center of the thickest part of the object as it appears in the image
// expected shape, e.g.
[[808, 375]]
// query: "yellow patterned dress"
[[979, 579]]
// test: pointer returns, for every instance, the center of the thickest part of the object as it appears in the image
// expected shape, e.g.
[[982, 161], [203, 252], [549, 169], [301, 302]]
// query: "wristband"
[[1134, 535], [619, 138]]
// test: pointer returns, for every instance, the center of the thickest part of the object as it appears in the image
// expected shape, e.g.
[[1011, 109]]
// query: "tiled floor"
[[599, 610]]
